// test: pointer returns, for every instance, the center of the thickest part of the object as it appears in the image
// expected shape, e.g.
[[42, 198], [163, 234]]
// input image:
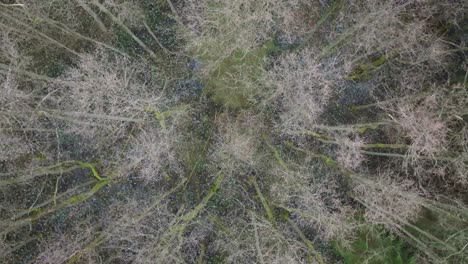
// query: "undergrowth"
[[240, 131]]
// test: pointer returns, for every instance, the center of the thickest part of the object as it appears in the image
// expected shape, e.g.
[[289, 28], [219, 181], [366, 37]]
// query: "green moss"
[[160, 19], [264, 202], [55, 69], [185, 219], [126, 43], [330, 162], [237, 79], [194, 155], [277, 156], [92, 168], [220, 203], [444, 231], [218, 258], [375, 246], [363, 71]]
